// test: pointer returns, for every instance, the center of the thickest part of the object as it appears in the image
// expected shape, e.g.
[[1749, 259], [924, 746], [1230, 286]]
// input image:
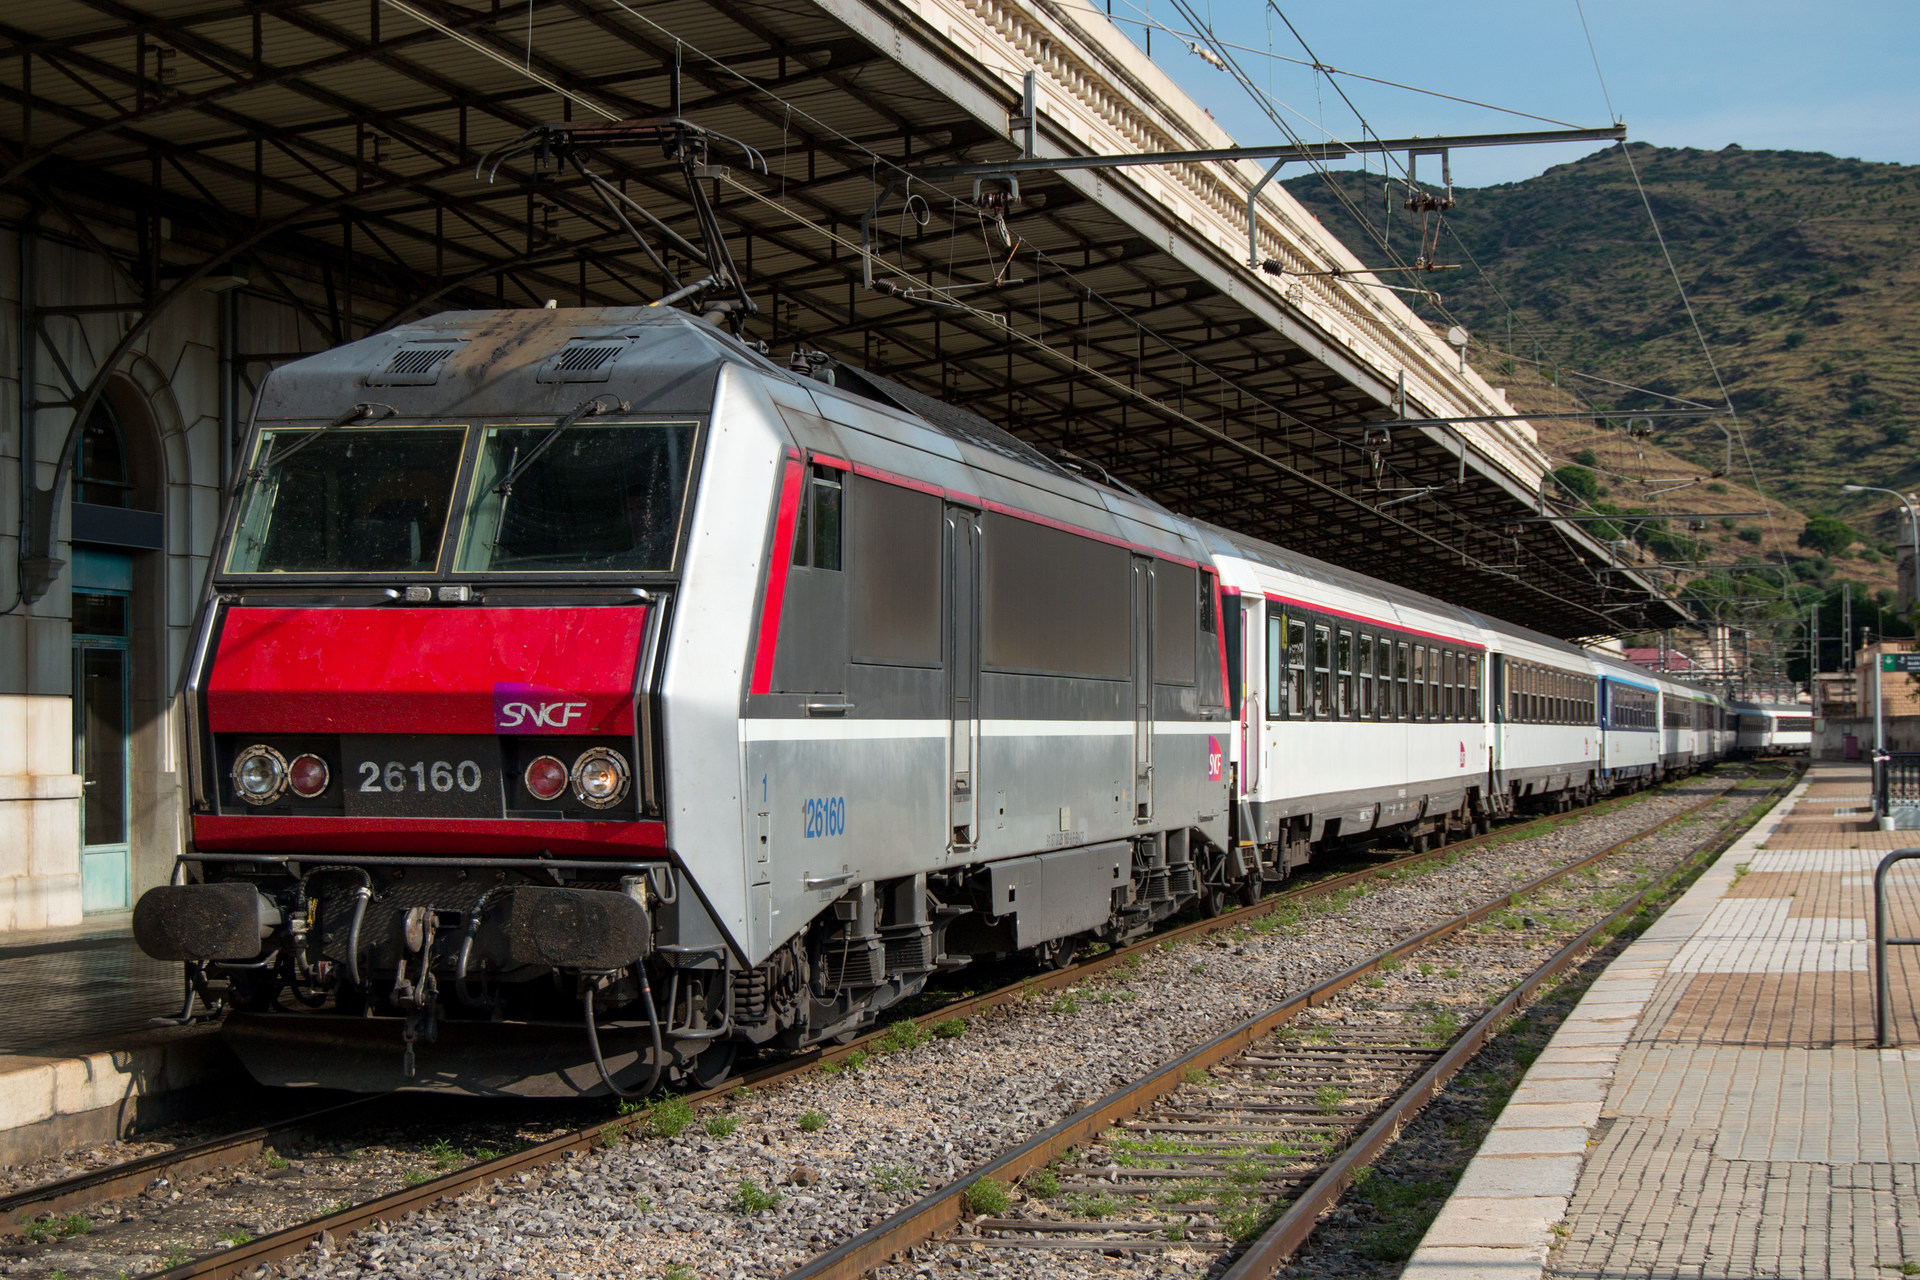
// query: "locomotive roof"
[[534, 362]]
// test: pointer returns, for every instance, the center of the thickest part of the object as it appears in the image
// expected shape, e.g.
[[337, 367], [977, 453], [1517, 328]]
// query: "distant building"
[[1672, 661]]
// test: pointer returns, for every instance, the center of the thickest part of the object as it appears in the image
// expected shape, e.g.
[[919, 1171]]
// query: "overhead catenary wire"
[[897, 167]]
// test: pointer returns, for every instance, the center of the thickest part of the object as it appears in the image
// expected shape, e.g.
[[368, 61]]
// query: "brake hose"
[[653, 1026], [466, 943]]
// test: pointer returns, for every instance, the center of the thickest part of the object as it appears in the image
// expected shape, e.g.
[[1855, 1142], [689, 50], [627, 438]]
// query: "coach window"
[[1419, 682], [1457, 674], [1433, 685], [1401, 663], [1322, 653], [1276, 664], [1343, 657], [1364, 661], [1296, 666], [1473, 686], [1383, 672]]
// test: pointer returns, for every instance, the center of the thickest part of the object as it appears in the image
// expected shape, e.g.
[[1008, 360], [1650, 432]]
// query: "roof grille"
[[415, 364], [583, 360]]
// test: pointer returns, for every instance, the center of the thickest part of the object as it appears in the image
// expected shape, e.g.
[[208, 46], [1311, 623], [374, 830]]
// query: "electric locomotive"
[[583, 699]]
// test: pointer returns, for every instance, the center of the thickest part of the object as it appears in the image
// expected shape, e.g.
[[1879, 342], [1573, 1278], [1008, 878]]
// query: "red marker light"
[[308, 776], [546, 778]]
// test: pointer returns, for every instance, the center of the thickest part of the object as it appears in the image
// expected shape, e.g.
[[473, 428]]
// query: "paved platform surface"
[[1715, 1106], [80, 992]]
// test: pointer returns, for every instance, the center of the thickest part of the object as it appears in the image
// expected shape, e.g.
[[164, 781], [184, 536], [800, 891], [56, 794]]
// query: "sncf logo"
[[526, 716], [526, 708]]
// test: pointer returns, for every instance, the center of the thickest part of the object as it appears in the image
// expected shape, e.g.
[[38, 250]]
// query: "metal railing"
[[1882, 992], [1896, 780]]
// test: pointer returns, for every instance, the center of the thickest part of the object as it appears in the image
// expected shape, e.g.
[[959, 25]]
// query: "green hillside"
[[1802, 268]]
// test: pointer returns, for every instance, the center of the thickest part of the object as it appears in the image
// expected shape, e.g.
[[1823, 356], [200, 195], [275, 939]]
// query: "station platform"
[[81, 1057], [1715, 1106]]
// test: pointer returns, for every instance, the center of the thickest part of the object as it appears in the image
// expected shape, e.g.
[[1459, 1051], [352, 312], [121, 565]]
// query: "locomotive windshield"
[[602, 498], [347, 500]]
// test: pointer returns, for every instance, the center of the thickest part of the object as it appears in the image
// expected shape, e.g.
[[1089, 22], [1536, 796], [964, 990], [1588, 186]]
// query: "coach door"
[[963, 667], [1142, 688]]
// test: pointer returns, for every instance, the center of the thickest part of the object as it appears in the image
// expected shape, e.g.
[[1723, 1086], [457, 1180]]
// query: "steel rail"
[[1281, 1240], [117, 1181], [942, 1210], [276, 1245]]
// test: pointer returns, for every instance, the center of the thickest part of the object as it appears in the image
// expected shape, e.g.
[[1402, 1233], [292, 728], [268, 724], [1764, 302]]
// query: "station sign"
[[1900, 662]]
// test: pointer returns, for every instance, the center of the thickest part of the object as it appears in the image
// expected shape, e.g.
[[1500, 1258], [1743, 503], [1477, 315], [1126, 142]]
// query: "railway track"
[[1242, 1144], [99, 1187]]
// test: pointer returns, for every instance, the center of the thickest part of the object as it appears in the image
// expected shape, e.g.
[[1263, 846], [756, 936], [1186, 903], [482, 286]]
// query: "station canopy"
[[329, 153]]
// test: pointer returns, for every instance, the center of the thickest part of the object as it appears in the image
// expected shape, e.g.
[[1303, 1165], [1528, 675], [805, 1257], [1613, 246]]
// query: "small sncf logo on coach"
[[525, 708], [1215, 760]]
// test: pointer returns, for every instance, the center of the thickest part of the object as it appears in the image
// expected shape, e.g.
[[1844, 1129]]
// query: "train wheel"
[[1213, 900], [1252, 890], [714, 1064], [1058, 954]]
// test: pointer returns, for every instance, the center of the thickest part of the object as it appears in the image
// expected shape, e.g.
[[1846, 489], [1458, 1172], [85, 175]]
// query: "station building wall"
[[165, 396]]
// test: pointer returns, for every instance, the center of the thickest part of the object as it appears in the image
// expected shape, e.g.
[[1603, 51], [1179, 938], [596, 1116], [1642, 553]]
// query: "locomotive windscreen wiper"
[[520, 466], [359, 411]]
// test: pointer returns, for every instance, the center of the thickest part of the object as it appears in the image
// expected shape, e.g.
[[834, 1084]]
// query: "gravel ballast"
[[755, 1186]]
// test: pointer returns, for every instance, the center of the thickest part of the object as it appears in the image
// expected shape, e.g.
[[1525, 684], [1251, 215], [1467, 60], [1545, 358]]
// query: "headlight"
[[600, 777], [546, 778], [308, 776], [259, 774]]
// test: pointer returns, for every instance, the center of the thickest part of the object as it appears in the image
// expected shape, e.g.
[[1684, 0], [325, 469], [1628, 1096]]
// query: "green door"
[[101, 731]]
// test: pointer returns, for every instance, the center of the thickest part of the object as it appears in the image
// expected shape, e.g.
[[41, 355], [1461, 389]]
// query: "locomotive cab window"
[[597, 498], [347, 500], [816, 537]]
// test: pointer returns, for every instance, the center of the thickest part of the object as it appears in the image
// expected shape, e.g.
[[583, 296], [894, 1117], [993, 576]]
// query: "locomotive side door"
[[1142, 688], [963, 669]]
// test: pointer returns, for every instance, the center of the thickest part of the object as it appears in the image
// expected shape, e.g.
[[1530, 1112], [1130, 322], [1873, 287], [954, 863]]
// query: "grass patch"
[[57, 1227], [234, 1239], [750, 1197], [678, 1271], [273, 1158], [812, 1121], [443, 1153], [1065, 1004], [1044, 1183], [1094, 1207], [951, 1029], [1405, 1210], [900, 1037], [988, 1198], [1328, 1098], [722, 1126], [414, 1178], [891, 1178], [669, 1115]]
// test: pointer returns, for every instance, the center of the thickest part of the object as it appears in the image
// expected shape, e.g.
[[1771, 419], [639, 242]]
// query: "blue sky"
[[1837, 77]]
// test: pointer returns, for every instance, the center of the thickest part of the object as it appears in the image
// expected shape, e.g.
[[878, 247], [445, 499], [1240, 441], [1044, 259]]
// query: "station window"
[[1365, 672], [1322, 678]]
